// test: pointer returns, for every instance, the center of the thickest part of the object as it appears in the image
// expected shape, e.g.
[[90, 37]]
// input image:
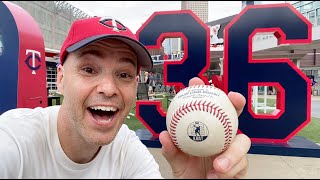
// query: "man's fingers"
[[169, 150], [233, 155], [167, 144], [238, 171], [238, 101], [195, 81]]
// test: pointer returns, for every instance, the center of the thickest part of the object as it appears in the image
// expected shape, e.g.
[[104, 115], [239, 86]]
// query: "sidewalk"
[[263, 166], [315, 98]]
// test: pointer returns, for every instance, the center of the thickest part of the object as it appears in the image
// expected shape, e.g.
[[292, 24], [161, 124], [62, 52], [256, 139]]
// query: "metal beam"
[[65, 6], [314, 56]]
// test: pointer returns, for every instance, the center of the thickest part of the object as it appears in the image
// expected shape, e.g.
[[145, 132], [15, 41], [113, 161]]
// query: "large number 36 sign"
[[241, 71]]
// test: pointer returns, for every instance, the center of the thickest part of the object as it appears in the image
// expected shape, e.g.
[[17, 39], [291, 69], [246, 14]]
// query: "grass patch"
[[311, 131], [270, 102], [133, 122], [54, 102]]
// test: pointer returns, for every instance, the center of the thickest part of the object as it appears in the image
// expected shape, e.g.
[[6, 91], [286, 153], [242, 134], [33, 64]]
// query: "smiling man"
[[85, 137]]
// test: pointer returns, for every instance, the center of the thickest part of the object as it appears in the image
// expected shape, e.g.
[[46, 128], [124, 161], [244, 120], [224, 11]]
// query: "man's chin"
[[99, 141]]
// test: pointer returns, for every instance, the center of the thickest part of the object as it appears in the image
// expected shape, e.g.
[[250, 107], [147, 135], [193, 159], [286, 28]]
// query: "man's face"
[[99, 84]]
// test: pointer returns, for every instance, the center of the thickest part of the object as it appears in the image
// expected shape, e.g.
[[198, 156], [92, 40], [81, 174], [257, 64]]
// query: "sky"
[[134, 13]]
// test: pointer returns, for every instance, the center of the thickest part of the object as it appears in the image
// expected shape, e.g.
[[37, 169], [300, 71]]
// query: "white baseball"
[[201, 120]]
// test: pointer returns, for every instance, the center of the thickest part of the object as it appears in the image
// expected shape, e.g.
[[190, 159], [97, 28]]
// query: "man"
[[85, 136], [151, 83]]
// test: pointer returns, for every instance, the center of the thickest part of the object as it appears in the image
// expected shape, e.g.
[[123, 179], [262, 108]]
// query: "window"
[[51, 76], [311, 17], [316, 4], [308, 72], [312, 14], [318, 12], [307, 7]]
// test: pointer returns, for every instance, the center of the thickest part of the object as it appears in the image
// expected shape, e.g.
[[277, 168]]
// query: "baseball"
[[201, 120]]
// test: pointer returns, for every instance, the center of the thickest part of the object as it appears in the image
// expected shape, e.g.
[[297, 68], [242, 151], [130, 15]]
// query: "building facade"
[[310, 63], [265, 45], [246, 3], [55, 18], [310, 9], [200, 8]]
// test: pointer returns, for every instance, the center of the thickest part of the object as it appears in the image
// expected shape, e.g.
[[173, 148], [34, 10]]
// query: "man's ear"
[[60, 75], [137, 81]]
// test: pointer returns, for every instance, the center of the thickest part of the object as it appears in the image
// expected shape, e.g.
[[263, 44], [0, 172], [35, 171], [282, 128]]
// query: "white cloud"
[[130, 13], [221, 9], [134, 13]]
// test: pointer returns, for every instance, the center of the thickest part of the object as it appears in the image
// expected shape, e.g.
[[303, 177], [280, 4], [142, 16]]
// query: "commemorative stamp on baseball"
[[201, 120]]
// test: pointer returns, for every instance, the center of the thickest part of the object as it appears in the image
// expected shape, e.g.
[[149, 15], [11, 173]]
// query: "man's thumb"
[[169, 150]]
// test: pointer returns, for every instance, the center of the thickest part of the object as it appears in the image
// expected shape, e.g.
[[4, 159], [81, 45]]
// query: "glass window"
[[311, 17], [51, 76], [311, 14], [307, 7], [316, 4], [318, 12], [315, 72]]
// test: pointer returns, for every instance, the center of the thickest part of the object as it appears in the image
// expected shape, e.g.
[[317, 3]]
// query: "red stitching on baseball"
[[184, 109]]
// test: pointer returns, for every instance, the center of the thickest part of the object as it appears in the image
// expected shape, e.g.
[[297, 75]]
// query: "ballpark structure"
[[55, 18]]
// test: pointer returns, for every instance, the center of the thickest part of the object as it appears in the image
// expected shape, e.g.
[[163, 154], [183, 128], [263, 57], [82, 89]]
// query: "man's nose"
[[107, 86]]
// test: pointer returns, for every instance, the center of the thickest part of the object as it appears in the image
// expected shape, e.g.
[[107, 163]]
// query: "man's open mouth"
[[103, 113]]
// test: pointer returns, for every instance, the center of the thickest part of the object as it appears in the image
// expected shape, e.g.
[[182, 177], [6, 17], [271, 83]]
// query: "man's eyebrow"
[[129, 60], [100, 54], [90, 51]]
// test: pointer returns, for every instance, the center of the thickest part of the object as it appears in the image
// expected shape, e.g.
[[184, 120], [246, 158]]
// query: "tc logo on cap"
[[112, 23]]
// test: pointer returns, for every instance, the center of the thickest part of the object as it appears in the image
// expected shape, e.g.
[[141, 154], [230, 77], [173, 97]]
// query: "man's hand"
[[232, 163]]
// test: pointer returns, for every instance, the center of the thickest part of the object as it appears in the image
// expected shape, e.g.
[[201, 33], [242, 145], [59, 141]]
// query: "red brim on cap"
[[143, 56]]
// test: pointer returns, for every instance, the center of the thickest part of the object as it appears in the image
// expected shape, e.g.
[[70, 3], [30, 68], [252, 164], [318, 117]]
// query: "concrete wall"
[[54, 20]]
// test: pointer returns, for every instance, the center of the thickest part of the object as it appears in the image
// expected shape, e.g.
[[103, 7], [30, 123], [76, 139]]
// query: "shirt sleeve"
[[9, 157], [140, 164]]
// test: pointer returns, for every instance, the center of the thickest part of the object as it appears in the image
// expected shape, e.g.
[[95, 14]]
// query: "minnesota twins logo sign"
[[197, 131], [35, 55]]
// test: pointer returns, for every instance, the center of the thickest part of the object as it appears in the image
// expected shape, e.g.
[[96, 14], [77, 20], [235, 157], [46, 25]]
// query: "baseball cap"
[[86, 31]]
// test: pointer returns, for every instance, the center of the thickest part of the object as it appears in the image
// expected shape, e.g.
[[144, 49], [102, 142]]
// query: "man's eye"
[[124, 75], [88, 70]]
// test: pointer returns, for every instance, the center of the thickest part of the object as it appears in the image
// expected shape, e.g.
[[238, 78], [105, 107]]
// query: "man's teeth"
[[104, 108], [105, 120]]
